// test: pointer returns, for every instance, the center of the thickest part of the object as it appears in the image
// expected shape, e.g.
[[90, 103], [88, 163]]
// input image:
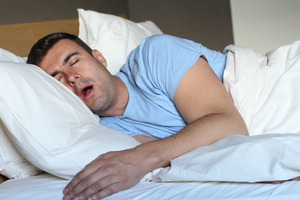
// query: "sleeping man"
[[169, 96]]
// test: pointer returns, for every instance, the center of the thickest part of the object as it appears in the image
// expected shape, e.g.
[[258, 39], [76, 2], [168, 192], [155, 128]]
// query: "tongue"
[[86, 91]]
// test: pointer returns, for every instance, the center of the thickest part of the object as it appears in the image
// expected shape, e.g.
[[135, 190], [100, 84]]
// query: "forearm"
[[201, 132]]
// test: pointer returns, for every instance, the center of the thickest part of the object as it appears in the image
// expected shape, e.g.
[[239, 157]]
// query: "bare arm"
[[206, 107]]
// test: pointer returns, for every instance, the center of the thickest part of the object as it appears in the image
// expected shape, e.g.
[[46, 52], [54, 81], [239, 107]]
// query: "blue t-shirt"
[[152, 74]]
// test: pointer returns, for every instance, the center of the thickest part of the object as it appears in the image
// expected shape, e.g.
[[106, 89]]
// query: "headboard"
[[19, 38]]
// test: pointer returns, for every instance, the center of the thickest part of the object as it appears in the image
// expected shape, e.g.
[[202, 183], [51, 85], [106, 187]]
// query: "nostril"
[[73, 78], [72, 83]]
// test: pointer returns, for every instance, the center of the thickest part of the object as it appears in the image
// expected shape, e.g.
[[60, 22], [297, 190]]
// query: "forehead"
[[56, 55], [64, 45]]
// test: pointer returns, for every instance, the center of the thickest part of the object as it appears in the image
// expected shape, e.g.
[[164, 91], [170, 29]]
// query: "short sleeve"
[[161, 61]]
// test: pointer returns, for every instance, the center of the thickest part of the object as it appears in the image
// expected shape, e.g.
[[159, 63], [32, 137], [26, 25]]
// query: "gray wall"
[[21, 11], [204, 21]]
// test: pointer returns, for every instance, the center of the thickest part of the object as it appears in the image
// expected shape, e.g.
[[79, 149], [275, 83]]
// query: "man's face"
[[82, 73]]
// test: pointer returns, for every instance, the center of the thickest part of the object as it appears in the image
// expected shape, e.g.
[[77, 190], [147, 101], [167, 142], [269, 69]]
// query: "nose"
[[73, 78]]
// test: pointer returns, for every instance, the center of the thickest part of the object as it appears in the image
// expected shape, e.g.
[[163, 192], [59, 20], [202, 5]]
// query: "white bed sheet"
[[46, 187]]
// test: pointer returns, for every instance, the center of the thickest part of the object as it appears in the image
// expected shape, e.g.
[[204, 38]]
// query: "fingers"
[[85, 187], [82, 180], [101, 189], [97, 194], [108, 174], [109, 190], [94, 187], [96, 190]]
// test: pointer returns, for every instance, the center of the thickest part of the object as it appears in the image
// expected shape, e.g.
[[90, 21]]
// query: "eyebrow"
[[69, 57], [65, 61]]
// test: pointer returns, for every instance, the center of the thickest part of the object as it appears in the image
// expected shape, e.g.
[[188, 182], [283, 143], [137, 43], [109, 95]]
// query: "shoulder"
[[153, 39], [166, 46], [154, 43], [165, 40]]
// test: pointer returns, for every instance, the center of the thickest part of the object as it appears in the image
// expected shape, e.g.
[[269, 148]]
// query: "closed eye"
[[54, 74], [73, 63]]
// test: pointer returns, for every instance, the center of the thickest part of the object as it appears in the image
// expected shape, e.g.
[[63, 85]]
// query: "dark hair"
[[40, 49]]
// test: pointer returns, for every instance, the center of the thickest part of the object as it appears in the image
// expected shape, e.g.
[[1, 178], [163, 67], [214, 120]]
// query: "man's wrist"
[[152, 156]]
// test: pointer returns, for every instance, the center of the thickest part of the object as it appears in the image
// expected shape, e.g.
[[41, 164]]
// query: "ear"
[[99, 57]]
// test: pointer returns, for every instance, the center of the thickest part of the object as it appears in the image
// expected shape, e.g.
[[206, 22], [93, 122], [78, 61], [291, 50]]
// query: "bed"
[[44, 144]]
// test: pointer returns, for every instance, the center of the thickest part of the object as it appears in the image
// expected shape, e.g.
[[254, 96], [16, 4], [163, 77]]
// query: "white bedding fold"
[[236, 158]]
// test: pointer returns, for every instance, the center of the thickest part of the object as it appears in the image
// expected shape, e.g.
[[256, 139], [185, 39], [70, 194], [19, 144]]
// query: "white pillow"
[[12, 163], [8, 56], [236, 158], [49, 125], [265, 88], [113, 36]]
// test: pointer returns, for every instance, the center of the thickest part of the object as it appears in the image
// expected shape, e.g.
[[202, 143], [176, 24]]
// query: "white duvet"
[[266, 88], [266, 91]]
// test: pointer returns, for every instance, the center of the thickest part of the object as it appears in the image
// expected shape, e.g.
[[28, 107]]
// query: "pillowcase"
[[49, 125], [8, 56], [113, 36], [12, 163], [236, 158]]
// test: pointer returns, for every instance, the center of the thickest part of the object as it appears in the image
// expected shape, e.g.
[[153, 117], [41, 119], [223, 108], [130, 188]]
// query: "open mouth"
[[85, 92]]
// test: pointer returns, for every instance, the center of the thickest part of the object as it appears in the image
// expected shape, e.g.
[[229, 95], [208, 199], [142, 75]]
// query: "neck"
[[120, 101]]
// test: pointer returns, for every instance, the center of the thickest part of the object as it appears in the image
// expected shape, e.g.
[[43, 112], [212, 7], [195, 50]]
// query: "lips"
[[86, 91]]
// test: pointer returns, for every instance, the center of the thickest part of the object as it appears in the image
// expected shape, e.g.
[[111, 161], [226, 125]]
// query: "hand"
[[109, 173]]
